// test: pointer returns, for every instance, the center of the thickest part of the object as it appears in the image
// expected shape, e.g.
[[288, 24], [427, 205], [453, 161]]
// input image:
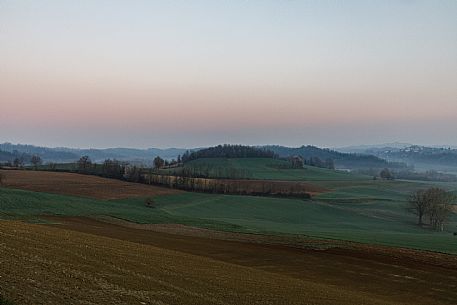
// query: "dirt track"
[[78, 185], [391, 275]]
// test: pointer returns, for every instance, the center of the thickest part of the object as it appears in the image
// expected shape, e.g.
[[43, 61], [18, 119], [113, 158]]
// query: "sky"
[[198, 73]]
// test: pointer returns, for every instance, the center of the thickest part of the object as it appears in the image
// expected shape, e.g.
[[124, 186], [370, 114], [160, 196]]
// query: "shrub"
[[149, 202]]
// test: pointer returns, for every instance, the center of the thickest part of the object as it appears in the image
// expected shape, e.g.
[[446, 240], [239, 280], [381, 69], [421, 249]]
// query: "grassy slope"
[[376, 221], [357, 208], [19, 204], [264, 168], [372, 218]]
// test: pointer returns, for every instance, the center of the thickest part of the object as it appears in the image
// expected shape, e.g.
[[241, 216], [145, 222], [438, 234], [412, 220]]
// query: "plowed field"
[[78, 185], [45, 265]]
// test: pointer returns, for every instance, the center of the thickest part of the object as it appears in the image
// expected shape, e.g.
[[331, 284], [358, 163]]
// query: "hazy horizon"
[[194, 74], [222, 143]]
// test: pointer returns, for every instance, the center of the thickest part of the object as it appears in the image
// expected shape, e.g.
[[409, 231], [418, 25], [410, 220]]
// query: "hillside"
[[262, 168], [145, 156], [341, 160], [357, 210]]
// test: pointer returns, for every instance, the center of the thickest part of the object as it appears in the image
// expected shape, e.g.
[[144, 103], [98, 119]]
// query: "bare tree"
[[158, 162], [84, 162], [419, 205], [18, 162], [435, 203], [36, 160], [440, 207], [386, 174]]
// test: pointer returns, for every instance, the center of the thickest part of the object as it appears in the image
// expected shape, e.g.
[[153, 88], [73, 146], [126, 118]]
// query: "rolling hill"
[[145, 156], [264, 168], [356, 210]]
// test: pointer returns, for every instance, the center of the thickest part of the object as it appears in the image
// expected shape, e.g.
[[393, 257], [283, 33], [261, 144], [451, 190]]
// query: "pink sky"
[[149, 74]]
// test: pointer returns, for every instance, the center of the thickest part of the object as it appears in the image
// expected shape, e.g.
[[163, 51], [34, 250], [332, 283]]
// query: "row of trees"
[[433, 205], [233, 186], [159, 163], [316, 161], [110, 168], [299, 162], [213, 171], [22, 160]]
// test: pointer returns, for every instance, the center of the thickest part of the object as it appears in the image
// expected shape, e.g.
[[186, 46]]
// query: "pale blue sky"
[[195, 73]]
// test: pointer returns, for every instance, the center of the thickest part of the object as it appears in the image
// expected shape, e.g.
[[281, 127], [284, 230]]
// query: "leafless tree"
[[18, 162], [158, 162], [84, 162], [440, 207], [386, 174], [36, 160], [419, 205], [435, 203]]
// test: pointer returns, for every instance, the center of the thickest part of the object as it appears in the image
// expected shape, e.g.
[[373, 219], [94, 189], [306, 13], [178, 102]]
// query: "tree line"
[[20, 160], [111, 168], [232, 186]]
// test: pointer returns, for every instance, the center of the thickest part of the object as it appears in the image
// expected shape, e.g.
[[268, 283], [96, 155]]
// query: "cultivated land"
[[77, 185], [283, 251], [361, 210], [42, 265]]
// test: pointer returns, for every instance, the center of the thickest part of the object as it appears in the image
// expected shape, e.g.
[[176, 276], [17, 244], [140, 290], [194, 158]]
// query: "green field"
[[355, 207], [270, 169], [20, 204], [367, 211]]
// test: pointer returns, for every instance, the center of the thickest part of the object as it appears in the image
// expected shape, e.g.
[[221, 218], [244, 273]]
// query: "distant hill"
[[366, 149], [341, 160], [423, 157], [420, 157], [6, 156], [63, 154], [145, 156]]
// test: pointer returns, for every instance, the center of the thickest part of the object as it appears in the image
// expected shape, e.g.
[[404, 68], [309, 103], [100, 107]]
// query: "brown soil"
[[49, 265], [78, 185], [388, 275]]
